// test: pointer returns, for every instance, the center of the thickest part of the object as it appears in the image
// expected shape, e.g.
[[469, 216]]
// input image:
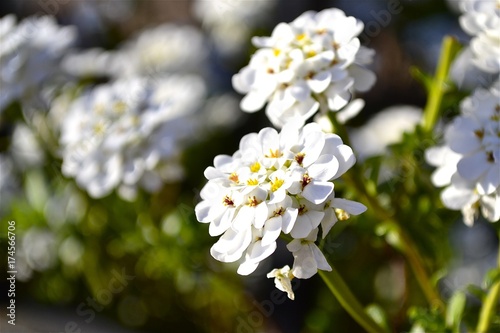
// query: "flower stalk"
[[404, 242], [349, 302], [489, 305], [438, 85]]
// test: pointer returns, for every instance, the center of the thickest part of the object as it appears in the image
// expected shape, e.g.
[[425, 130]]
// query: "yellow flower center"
[[234, 177], [255, 167], [227, 201], [276, 184], [274, 153], [252, 182], [252, 201]]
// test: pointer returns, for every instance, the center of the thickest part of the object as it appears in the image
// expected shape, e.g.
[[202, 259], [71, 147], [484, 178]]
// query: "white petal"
[[490, 182], [306, 223], [345, 158], [288, 219], [320, 258], [319, 82], [272, 230], [231, 245], [473, 166], [328, 222], [317, 192], [364, 79], [247, 268], [325, 168], [300, 91], [220, 225], [454, 198], [338, 101], [490, 207], [352, 207], [304, 265], [261, 213], [202, 211], [253, 101]]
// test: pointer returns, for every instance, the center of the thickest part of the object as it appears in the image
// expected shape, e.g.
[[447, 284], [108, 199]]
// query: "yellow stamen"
[[342, 215], [120, 107], [276, 184], [252, 182], [300, 158], [274, 153], [227, 201], [234, 177], [301, 36], [252, 201], [255, 167]]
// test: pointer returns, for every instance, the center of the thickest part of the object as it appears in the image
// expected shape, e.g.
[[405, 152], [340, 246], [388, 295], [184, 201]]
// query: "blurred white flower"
[[469, 161], [37, 249], [30, 55], [8, 183], [275, 183], [282, 280], [315, 60], [165, 49], [383, 129], [86, 63], [230, 22], [25, 148], [481, 19], [129, 134]]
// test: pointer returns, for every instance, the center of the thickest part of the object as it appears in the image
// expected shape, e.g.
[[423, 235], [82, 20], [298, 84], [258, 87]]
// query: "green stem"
[[405, 243], [402, 241], [348, 301], [437, 88], [489, 305]]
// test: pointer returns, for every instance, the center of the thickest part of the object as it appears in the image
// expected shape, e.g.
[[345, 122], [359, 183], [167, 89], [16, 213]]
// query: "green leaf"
[[491, 277], [455, 310], [424, 79], [476, 291]]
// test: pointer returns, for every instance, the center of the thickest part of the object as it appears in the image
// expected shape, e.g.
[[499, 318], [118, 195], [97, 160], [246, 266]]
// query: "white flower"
[[230, 22], [469, 162], [8, 183], [283, 280], [92, 62], [316, 59], [338, 209], [30, 55], [307, 256], [481, 19], [277, 182], [165, 49], [129, 133], [25, 148]]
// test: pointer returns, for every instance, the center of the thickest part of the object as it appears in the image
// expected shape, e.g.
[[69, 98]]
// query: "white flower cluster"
[[276, 182], [469, 161], [29, 54], [129, 133], [315, 60], [481, 19], [165, 49]]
